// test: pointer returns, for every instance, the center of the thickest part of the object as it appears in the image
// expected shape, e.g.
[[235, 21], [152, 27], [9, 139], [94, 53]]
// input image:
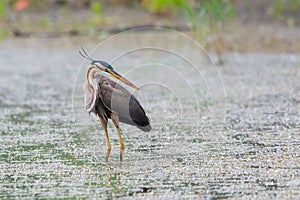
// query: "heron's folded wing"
[[122, 102]]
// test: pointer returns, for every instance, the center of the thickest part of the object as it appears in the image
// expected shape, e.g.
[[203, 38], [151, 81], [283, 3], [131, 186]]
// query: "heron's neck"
[[90, 75]]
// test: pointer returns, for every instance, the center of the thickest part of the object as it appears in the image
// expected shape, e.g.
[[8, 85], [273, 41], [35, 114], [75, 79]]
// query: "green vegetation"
[[202, 16], [208, 15], [210, 11], [44, 22], [4, 33], [97, 18], [163, 6], [2, 7], [216, 9], [281, 8]]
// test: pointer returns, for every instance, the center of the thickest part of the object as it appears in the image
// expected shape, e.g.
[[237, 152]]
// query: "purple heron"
[[109, 100]]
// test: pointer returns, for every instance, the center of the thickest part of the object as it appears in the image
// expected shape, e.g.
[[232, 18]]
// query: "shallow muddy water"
[[218, 132]]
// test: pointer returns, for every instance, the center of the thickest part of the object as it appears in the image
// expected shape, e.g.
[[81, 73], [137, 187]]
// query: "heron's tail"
[[146, 128]]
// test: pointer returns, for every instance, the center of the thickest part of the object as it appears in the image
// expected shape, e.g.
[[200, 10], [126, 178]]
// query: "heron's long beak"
[[118, 76]]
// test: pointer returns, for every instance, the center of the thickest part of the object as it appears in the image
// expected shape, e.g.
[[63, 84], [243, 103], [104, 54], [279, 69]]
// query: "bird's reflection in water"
[[114, 186]]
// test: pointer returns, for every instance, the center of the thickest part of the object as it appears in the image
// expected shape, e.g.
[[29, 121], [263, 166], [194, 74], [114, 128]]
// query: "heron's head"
[[106, 68]]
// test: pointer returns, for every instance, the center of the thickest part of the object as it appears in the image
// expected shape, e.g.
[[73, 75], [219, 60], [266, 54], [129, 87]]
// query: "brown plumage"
[[109, 100]]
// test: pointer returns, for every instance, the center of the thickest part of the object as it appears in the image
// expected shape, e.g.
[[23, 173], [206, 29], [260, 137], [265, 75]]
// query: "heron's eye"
[[110, 67]]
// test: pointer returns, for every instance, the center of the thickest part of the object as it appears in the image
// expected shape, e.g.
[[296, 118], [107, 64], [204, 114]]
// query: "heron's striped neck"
[[90, 74]]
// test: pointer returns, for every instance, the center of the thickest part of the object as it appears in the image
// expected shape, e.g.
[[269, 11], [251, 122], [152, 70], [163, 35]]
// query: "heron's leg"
[[104, 125], [115, 119]]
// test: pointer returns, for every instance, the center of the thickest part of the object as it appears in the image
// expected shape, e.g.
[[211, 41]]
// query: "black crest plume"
[[85, 55]]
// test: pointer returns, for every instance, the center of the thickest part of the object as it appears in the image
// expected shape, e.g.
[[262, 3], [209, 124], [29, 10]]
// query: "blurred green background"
[[217, 24]]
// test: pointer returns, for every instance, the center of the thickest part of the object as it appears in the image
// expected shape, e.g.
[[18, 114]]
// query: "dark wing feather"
[[119, 100]]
